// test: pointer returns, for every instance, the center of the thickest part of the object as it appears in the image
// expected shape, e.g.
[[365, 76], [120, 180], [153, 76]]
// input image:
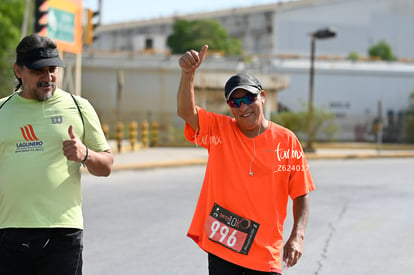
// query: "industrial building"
[[277, 38]]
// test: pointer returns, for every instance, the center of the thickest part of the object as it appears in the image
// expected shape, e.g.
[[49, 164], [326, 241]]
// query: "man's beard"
[[45, 96]]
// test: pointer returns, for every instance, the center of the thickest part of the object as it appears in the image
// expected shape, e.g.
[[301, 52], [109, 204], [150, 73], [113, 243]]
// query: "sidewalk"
[[155, 157]]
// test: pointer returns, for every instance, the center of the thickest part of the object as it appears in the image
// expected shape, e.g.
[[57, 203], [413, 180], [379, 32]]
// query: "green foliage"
[[354, 56], [188, 35], [298, 122], [382, 50], [410, 129], [11, 19], [410, 121]]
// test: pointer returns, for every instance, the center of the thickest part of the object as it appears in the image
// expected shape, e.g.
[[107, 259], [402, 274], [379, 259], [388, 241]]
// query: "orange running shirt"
[[247, 182]]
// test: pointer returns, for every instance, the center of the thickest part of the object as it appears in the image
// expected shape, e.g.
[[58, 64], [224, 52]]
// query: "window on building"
[[258, 44], [149, 44]]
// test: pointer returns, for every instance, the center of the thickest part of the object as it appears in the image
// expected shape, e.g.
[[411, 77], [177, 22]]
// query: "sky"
[[115, 11]]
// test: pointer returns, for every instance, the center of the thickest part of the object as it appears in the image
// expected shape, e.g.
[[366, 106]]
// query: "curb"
[[158, 164], [359, 156], [203, 161]]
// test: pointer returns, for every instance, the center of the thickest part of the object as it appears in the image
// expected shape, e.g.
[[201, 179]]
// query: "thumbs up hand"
[[191, 60], [71, 132], [73, 148]]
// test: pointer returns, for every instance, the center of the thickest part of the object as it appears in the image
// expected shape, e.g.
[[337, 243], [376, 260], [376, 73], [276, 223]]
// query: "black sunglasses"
[[247, 99]]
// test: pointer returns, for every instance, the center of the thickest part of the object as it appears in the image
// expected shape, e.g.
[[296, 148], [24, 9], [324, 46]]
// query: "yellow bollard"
[[119, 135], [133, 134], [154, 133], [145, 134], [105, 129]]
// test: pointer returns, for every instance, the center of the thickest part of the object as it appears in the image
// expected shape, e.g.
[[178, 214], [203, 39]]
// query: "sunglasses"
[[247, 99]]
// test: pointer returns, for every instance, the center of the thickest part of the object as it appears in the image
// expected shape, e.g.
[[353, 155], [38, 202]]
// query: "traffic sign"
[[61, 25], [65, 24]]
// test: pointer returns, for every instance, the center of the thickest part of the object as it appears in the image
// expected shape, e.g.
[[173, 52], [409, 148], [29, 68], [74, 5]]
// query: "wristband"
[[87, 154]]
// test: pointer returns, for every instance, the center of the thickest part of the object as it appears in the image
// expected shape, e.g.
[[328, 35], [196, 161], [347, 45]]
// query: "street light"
[[319, 34]]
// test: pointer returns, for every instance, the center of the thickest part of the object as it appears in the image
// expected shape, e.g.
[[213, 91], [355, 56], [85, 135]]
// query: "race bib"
[[230, 230]]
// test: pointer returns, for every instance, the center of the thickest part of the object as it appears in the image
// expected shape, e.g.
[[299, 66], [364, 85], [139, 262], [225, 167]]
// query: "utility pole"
[[25, 19], [319, 34]]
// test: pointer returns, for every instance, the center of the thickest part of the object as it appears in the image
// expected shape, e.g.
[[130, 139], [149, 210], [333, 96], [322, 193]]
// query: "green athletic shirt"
[[39, 187]]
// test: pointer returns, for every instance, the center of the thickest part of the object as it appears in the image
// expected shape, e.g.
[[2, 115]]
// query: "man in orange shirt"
[[254, 166]]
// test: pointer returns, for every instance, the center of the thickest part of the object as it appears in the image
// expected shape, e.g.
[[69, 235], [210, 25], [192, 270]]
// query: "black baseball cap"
[[243, 81], [36, 52]]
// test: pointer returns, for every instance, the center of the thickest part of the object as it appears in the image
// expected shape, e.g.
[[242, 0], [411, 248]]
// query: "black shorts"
[[218, 266], [51, 251]]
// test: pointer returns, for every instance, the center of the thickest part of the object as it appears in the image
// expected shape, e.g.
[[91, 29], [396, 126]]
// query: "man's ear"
[[18, 70], [263, 95]]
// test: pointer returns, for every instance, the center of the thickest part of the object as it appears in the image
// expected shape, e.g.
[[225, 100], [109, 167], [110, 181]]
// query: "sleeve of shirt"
[[94, 136], [198, 138], [300, 180]]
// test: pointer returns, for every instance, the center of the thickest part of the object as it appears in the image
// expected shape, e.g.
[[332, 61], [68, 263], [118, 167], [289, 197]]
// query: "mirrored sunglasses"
[[247, 99]]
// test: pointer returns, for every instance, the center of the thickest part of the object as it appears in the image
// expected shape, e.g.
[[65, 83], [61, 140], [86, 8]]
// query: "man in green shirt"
[[46, 135]]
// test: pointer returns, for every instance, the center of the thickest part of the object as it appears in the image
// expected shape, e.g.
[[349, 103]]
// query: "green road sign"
[[61, 25]]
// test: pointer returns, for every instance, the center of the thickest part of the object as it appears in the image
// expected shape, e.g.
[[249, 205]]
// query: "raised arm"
[[186, 109]]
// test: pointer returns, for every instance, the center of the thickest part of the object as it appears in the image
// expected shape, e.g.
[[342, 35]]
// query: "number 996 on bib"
[[230, 230]]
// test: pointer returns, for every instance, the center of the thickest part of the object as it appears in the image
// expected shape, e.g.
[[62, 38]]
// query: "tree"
[[382, 50], [323, 122], [193, 34], [354, 56], [11, 19], [409, 128]]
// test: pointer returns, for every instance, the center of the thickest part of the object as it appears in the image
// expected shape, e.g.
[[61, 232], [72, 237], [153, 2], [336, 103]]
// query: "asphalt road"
[[361, 220]]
